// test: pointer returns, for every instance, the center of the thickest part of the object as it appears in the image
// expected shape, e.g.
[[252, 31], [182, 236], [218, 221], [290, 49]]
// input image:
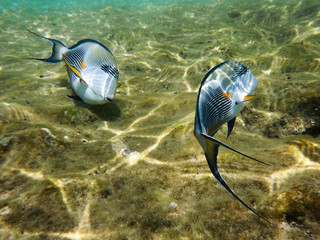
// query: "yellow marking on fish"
[[226, 94], [118, 84], [75, 71], [83, 65], [247, 98]]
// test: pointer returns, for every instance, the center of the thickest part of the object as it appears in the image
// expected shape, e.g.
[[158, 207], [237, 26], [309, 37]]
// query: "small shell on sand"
[[173, 206]]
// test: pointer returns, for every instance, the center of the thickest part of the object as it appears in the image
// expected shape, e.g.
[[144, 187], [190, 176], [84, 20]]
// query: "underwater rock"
[[308, 148], [296, 204]]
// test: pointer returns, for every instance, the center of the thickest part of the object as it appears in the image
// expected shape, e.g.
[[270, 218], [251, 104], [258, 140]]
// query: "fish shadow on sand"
[[107, 112]]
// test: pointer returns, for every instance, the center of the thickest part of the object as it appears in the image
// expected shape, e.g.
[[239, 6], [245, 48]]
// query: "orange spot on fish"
[[83, 65], [207, 132], [64, 54], [226, 94]]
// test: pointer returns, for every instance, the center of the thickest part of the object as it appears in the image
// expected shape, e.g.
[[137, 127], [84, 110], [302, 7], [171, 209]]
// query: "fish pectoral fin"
[[232, 149], [75, 98], [248, 98], [230, 126]]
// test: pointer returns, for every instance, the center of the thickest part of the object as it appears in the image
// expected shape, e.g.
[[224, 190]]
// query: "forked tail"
[[58, 48], [211, 156]]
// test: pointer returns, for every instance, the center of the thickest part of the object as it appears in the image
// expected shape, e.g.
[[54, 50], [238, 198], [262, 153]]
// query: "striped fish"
[[91, 68], [223, 92]]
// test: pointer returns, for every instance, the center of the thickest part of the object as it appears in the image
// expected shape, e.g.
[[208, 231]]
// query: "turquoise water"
[[48, 5], [75, 171]]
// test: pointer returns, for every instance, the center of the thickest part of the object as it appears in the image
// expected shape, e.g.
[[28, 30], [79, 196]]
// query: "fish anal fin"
[[230, 126]]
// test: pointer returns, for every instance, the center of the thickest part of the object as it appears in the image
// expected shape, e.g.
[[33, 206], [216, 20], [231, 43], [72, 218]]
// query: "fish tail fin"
[[232, 149], [214, 169], [211, 156], [58, 48]]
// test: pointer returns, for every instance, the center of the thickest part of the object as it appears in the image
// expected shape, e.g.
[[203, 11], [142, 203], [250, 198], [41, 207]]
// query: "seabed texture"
[[74, 171]]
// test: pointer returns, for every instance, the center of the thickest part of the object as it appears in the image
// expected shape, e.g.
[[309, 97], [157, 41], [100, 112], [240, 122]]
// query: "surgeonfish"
[[91, 67], [223, 92]]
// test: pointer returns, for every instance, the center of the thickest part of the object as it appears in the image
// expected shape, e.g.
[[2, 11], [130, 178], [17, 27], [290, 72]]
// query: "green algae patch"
[[41, 209]]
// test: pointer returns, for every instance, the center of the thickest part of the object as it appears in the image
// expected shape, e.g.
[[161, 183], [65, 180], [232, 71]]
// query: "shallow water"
[[74, 171]]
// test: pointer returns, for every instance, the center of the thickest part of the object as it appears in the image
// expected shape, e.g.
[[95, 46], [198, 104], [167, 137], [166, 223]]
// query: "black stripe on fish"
[[215, 109], [75, 58], [239, 70], [111, 70]]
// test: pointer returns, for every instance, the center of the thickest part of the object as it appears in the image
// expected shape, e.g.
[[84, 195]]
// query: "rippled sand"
[[74, 171]]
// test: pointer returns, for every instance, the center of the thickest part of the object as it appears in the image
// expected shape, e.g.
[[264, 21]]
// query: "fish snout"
[[110, 90]]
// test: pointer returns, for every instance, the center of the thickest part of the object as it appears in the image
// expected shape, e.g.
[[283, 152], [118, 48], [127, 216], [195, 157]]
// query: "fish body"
[[223, 92], [91, 67]]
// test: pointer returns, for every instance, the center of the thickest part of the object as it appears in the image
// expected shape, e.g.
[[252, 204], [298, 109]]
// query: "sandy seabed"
[[74, 171]]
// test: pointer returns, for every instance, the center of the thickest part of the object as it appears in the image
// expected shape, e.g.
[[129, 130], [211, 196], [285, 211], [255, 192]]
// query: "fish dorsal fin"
[[230, 126]]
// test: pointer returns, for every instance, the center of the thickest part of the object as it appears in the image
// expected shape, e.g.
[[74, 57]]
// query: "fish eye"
[[236, 103]]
